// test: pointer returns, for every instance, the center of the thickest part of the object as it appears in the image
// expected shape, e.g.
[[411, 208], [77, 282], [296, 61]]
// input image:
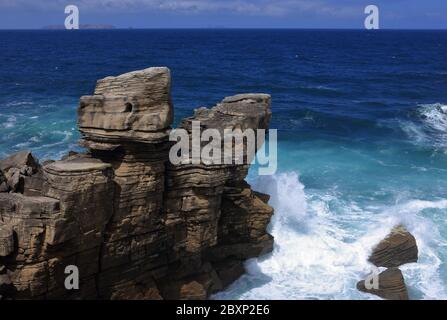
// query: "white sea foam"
[[321, 254], [320, 88], [430, 127], [435, 116], [10, 122], [18, 103], [424, 278]]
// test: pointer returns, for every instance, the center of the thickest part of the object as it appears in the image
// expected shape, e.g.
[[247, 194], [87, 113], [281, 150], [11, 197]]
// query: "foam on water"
[[424, 279], [10, 122], [429, 127], [361, 178], [321, 252], [435, 116]]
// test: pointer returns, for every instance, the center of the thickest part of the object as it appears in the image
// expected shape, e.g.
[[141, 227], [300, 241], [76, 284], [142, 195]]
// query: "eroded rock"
[[6, 240], [14, 169], [398, 248], [20, 160], [391, 285], [136, 226], [134, 106]]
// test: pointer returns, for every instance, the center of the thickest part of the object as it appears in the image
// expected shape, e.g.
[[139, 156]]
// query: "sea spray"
[[318, 256], [308, 261]]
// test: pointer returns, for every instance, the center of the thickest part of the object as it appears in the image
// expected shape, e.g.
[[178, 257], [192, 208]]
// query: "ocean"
[[362, 134]]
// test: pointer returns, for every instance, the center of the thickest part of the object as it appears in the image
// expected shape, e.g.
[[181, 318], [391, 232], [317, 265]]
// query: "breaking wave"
[[428, 126], [322, 244]]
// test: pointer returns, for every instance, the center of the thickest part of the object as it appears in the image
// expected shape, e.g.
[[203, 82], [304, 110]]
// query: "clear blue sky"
[[396, 14]]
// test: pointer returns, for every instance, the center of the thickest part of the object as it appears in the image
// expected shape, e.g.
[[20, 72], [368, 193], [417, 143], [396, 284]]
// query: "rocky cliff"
[[135, 225]]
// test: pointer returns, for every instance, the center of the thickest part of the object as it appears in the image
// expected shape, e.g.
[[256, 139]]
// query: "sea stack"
[[397, 248], [135, 225]]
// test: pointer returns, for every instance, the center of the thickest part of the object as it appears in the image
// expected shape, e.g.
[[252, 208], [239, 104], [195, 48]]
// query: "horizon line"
[[113, 28]]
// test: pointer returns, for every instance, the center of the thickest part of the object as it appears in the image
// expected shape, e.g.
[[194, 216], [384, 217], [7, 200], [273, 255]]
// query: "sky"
[[394, 14]]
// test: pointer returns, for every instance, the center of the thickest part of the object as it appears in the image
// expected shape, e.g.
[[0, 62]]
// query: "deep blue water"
[[361, 119]]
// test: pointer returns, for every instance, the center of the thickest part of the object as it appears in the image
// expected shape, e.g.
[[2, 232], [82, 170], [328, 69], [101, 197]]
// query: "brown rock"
[[391, 285], [33, 184], [134, 106], [136, 226], [15, 180], [398, 248], [15, 168], [6, 241], [19, 160]]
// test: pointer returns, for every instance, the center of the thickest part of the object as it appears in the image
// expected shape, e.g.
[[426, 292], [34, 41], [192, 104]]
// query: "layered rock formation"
[[399, 247], [135, 225], [391, 285]]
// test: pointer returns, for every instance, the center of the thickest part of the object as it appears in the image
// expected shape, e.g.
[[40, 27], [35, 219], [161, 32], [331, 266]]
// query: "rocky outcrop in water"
[[391, 285], [399, 247], [135, 225]]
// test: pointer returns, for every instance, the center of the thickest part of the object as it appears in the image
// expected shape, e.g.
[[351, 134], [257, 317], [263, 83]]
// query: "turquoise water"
[[362, 129], [330, 213]]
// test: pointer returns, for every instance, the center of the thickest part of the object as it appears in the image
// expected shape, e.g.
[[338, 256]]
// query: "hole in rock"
[[128, 107]]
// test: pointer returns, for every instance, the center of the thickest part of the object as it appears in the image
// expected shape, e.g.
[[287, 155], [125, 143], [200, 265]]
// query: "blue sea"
[[362, 134]]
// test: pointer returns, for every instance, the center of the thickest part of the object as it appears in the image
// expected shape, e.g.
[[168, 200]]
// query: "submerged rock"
[[391, 285], [135, 225], [399, 247]]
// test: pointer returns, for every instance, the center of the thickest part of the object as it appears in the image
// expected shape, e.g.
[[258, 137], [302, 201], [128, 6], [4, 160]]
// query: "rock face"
[[133, 107], [135, 225], [3, 182], [399, 247], [391, 285]]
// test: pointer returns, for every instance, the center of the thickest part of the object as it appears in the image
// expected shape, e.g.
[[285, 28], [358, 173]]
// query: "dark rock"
[[229, 271], [391, 285], [3, 182], [398, 248], [5, 280], [6, 241]]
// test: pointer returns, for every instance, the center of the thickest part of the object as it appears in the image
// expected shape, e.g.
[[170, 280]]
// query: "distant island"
[[81, 26]]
